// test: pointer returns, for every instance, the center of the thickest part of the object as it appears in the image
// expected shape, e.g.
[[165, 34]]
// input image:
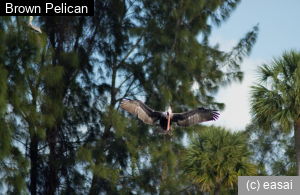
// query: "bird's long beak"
[[169, 117]]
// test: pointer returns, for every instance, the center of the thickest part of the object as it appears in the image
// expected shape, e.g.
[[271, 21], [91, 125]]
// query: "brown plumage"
[[150, 116]]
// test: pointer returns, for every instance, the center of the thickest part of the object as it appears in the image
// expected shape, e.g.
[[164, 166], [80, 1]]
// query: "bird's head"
[[30, 20]]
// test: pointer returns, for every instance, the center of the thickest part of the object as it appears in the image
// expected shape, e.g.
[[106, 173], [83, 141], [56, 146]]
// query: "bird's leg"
[[169, 117]]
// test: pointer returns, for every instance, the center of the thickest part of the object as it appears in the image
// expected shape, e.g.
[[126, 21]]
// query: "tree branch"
[[136, 44]]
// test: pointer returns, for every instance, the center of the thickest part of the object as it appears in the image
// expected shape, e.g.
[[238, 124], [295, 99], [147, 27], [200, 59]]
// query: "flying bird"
[[150, 116], [34, 27]]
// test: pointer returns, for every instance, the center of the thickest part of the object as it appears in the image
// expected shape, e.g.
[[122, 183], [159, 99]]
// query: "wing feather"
[[139, 109], [195, 116]]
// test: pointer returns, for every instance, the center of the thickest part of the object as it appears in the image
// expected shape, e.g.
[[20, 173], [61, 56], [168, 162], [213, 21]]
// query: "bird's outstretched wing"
[[139, 109], [36, 28], [195, 116]]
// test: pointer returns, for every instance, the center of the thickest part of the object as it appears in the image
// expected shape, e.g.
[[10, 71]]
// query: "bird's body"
[[150, 116], [34, 27]]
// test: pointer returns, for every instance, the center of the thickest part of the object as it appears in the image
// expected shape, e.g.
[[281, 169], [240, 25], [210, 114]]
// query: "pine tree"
[[71, 99], [40, 81], [23, 82], [13, 165]]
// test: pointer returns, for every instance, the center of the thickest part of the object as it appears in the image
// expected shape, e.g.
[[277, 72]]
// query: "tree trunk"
[[297, 144], [52, 179], [217, 189], [34, 163], [93, 190]]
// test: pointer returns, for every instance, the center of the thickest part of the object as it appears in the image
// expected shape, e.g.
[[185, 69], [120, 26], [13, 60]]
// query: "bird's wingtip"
[[215, 115], [123, 101]]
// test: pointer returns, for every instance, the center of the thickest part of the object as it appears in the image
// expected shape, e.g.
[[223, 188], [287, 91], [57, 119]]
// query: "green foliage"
[[53, 75], [84, 155], [274, 150], [275, 97], [3, 89], [178, 62], [14, 172], [216, 157], [5, 138]]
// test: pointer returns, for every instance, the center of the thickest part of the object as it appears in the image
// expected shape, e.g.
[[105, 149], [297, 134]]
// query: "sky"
[[279, 29]]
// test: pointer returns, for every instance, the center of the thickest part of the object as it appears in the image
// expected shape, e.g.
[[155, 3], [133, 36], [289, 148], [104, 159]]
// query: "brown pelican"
[[34, 27], [185, 119]]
